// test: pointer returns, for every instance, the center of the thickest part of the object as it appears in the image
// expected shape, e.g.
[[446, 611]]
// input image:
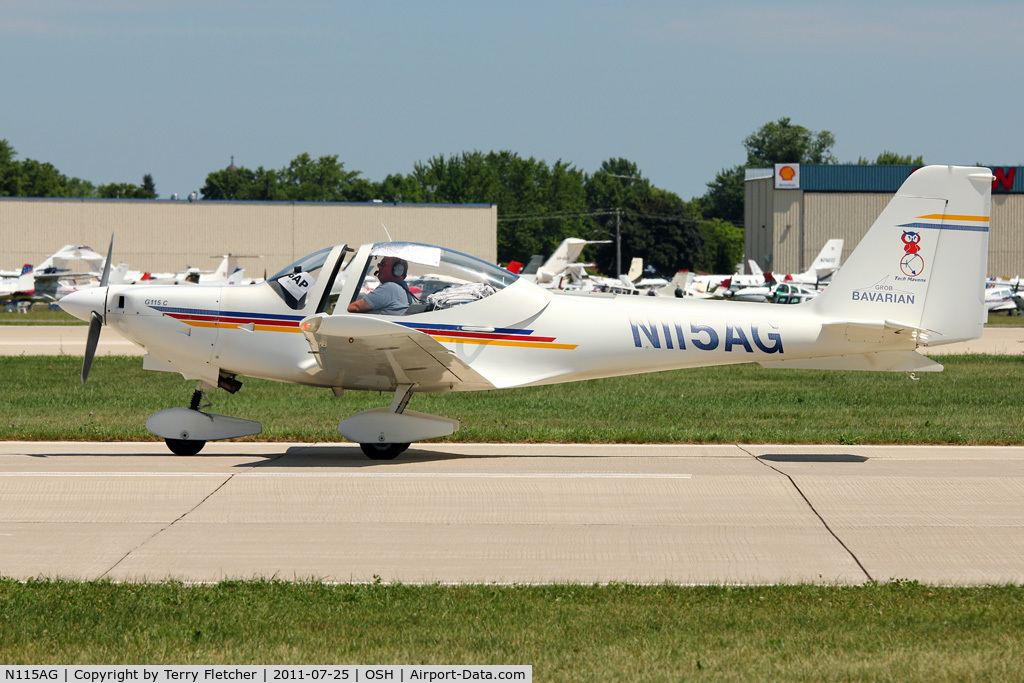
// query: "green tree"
[[31, 178], [776, 142], [888, 158], [538, 205], [8, 169], [231, 184], [129, 191], [782, 142], [149, 186], [651, 223], [304, 179], [124, 191], [39, 179], [721, 248], [724, 198], [316, 180], [403, 188]]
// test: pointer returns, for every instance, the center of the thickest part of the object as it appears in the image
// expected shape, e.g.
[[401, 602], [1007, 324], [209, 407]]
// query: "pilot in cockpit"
[[392, 297]]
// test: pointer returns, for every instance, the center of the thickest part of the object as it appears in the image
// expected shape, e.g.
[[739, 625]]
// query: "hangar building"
[[167, 235], [792, 210]]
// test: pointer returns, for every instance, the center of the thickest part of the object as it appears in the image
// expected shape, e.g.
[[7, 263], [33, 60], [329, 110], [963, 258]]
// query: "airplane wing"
[[362, 351]]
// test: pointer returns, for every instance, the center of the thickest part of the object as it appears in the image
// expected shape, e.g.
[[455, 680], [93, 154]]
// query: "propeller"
[[96, 319]]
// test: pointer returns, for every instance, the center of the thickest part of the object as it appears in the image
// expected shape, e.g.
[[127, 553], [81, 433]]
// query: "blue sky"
[[108, 90]]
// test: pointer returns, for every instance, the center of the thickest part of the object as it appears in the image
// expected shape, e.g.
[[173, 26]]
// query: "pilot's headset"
[[400, 268]]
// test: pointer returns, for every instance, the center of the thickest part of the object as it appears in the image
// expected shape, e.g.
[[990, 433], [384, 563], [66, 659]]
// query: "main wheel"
[[183, 447], [383, 451]]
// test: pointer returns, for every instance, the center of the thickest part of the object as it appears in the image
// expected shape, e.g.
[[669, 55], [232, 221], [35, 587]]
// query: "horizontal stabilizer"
[[888, 361], [888, 331]]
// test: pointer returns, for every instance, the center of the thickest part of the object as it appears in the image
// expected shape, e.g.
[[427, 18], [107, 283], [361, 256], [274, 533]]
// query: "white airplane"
[[720, 286], [50, 285], [824, 265], [885, 303], [21, 287], [1000, 297], [227, 272], [561, 267], [789, 293], [760, 286]]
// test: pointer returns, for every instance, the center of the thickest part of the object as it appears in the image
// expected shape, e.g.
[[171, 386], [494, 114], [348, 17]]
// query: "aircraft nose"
[[82, 303]]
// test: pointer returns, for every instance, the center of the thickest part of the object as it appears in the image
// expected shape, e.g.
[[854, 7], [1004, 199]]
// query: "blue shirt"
[[388, 299]]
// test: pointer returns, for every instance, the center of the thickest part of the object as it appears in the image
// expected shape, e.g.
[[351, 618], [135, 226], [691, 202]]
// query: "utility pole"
[[618, 225], [618, 242]]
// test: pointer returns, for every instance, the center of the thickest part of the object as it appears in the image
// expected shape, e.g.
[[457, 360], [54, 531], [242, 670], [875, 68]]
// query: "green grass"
[[896, 631], [975, 401], [1004, 320], [40, 315]]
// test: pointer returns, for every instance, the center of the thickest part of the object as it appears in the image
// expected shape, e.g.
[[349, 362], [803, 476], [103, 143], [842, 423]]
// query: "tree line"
[[539, 204]]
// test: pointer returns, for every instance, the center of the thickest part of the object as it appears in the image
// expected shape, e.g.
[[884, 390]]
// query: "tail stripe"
[[947, 226], [941, 217]]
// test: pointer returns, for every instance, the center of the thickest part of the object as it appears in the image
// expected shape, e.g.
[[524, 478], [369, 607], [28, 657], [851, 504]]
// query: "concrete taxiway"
[[712, 514]]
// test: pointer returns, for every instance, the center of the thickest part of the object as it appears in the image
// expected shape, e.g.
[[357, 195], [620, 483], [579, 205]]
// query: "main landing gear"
[[383, 451], [184, 445], [186, 430], [385, 433], [382, 433]]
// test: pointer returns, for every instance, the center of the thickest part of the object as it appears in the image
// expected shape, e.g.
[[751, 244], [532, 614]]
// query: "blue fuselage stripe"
[[226, 314], [461, 328], [947, 226]]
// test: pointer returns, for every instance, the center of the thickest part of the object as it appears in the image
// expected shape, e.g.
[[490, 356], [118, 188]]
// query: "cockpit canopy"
[[437, 277]]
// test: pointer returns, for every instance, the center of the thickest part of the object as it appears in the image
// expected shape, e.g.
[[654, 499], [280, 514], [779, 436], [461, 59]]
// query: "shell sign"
[[787, 176]]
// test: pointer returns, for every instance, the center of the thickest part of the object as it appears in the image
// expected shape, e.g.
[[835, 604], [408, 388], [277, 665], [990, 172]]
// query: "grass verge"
[[895, 631], [38, 316], [972, 402]]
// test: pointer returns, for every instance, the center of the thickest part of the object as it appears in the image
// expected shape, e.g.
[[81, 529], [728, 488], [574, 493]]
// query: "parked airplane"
[[885, 303], [227, 272], [561, 267], [70, 268], [759, 286], [789, 293], [50, 284], [19, 288], [825, 264], [999, 297]]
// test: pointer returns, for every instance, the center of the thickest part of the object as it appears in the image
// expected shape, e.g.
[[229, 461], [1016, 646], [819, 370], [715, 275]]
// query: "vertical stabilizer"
[[923, 262], [827, 260]]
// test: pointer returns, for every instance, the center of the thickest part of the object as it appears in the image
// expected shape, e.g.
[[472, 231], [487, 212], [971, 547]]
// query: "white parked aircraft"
[[824, 265], [227, 272], [561, 267], [885, 303], [1000, 297], [818, 274]]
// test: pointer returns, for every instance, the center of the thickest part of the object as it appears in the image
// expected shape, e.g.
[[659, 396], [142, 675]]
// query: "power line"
[[599, 212], [561, 214]]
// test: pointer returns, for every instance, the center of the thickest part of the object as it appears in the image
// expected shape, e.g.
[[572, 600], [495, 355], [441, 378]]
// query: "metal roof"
[[871, 178]]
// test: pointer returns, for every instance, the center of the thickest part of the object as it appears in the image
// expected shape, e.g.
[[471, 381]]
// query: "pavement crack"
[[817, 514], [163, 529]]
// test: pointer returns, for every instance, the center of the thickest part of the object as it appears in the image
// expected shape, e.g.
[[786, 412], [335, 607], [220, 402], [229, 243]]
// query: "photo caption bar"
[[95, 673]]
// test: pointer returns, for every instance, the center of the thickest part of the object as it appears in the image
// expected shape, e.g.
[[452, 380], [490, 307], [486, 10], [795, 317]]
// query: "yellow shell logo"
[[787, 173]]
